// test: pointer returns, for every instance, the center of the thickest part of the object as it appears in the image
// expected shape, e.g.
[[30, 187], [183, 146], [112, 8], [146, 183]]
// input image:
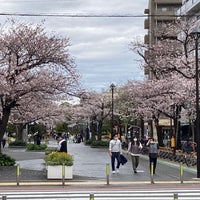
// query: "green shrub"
[[18, 143], [32, 147], [59, 158], [49, 150], [99, 143], [88, 142], [6, 160]]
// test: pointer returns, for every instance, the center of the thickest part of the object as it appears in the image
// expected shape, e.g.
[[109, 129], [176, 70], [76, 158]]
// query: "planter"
[[55, 172]]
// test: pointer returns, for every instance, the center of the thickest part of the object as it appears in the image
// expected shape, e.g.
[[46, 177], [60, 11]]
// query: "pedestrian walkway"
[[90, 165]]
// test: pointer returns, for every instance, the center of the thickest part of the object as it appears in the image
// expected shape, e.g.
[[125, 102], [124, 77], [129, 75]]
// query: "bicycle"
[[185, 157], [190, 158], [189, 154]]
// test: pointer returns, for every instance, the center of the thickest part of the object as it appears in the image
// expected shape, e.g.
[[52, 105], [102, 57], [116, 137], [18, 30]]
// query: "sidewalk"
[[89, 165]]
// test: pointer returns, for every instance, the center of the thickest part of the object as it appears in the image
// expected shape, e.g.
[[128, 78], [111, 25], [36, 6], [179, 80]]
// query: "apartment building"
[[159, 12]]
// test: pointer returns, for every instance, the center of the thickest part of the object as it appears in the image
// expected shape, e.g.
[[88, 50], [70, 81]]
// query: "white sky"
[[99, 45]]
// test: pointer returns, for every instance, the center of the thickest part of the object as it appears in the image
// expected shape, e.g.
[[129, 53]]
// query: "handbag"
[[123, 159]]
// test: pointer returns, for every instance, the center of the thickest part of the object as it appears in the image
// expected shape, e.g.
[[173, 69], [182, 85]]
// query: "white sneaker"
[[117, 171], [113, 172]]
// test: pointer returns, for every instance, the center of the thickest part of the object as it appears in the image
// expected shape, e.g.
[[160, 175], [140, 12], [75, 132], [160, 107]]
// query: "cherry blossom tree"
[[154, 98], [45, 112], [35, 69], [172, 53], [94, 108], [123, 110], [171, 63]]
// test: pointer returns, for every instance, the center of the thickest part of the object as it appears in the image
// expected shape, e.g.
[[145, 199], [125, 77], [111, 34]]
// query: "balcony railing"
[[187, 6]]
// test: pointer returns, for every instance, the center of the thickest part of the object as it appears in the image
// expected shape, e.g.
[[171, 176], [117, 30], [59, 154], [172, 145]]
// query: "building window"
[[162, 9], [167, 8]]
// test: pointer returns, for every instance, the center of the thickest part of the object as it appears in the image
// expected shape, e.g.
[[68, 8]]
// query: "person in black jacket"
[[62, 144]]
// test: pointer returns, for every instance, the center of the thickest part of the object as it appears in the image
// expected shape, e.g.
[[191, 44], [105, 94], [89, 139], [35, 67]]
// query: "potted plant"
[[59, 164]]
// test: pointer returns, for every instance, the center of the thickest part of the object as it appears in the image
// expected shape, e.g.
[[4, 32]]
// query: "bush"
[[6, 160], [32, 147], [18, 143], [99, 143], [59, 158], [49, 150], [88, 142]]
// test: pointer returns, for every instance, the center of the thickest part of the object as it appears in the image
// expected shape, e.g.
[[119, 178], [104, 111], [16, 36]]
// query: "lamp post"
[[195, 33], [112, 86]]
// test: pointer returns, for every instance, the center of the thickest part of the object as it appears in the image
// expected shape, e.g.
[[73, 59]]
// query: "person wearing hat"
[[62, 144]]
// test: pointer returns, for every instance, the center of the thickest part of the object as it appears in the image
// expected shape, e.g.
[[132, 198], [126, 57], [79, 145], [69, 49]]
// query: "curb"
[[95, 183]]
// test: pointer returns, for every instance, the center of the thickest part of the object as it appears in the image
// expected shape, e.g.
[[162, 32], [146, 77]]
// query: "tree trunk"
[[177, 127], [160, 135], [100, 124], [93, 130], [150, 128], [4, 122], [19, 129], [142, 127]]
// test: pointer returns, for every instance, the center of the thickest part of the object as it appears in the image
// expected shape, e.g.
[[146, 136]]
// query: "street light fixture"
[[112, 86], [195, 33]]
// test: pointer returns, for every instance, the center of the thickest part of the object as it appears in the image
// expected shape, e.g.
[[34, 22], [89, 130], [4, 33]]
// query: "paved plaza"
[[90, 165]]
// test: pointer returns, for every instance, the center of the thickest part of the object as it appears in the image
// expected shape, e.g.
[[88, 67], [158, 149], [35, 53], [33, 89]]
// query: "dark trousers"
[[38, 142], [3, 143], [115, 155], [154, 162]]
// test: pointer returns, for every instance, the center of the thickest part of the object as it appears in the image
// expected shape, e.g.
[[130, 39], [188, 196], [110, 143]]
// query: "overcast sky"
[[99, 45]]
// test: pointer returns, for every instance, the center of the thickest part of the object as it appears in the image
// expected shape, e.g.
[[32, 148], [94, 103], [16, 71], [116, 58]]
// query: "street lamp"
[[112, 86], [195, 33]]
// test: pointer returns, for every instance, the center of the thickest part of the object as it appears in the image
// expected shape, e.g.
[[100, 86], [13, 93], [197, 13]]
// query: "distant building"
[[159, 13]]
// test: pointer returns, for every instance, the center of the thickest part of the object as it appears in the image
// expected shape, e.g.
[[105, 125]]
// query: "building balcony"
[[146, 71], [167, 1], [146, 11], [167, 15], [146, 24], [146, 39], [146, 53], [189, 7]]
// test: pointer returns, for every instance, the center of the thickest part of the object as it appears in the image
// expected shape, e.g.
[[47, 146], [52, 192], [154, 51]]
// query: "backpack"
[[153, 148]]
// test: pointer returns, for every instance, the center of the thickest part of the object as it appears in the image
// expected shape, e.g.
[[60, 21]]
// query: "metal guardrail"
[[107, 195], [107, 175]]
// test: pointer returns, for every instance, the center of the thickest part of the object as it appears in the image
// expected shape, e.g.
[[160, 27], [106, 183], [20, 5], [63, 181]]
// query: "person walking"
[[153, 154], [5, 136], [134, 148], [115, 149], [62, 144], [38, 138]]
